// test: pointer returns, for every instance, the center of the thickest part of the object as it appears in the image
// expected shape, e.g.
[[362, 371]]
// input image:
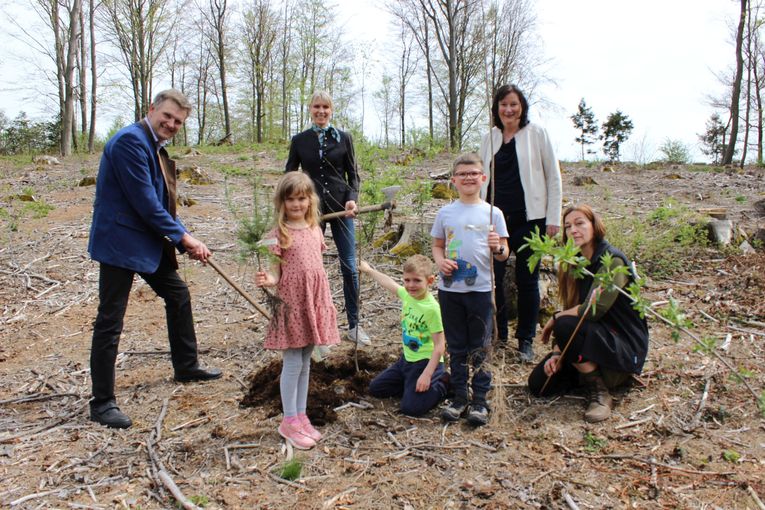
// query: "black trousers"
[[526, 282], [114, 284]]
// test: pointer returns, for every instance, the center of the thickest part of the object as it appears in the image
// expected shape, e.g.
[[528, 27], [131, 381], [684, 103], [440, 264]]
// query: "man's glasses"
[[465, 175]]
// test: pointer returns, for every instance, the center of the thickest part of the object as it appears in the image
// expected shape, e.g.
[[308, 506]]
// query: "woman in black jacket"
[[612, 341], [326, 154]]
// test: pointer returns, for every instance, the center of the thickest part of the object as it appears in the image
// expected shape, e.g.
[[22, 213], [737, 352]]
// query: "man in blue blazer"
[[135, 230]]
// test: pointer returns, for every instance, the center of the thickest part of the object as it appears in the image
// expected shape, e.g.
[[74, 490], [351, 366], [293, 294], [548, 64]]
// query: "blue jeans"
[[526, 282], [468, 328], [344, 234], [400, 380]]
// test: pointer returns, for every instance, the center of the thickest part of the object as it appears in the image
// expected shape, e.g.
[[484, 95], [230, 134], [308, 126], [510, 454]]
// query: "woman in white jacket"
[[527, 188]]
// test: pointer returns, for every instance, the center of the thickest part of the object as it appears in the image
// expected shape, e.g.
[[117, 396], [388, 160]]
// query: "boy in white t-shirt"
[[466, 235]]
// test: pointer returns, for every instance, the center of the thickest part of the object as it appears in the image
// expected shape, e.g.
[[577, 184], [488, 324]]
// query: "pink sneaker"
[[291, 430], [308, 429]]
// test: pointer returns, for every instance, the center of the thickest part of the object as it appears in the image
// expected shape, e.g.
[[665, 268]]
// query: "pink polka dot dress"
[[308, 316]]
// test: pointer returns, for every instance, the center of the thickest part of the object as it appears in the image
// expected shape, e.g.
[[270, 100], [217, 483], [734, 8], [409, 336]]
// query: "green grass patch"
[[292, 469], [661, 243]]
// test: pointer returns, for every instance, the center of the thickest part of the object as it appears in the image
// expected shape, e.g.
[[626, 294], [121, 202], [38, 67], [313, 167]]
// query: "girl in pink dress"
[[306, 316]]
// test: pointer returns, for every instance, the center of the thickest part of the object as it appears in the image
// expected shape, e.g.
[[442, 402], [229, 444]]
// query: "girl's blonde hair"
[[294, 183], [568, 286]]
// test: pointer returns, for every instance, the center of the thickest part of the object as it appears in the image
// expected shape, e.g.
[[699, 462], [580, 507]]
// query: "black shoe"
[[477, 415], [526, 352], [453, 411], [110, 415], [197, 374]]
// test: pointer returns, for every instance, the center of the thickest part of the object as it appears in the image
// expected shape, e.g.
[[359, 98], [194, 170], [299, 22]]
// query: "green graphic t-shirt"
[[420, 318]]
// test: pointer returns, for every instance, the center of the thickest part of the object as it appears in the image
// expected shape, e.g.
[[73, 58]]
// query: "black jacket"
[[332, 167], [619, 340]]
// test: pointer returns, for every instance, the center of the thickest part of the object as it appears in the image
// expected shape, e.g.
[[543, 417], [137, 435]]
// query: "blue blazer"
[[132, 224]]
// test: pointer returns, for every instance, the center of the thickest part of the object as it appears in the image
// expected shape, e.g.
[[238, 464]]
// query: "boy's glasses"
[[465, 175]]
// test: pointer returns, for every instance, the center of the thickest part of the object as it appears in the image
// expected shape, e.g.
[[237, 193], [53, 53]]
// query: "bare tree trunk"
[[82, 90], [93, 76], [749, 63], [736, 94], [68, 119]]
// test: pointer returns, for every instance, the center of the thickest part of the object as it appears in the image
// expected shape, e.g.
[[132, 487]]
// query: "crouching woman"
[[612, 340]]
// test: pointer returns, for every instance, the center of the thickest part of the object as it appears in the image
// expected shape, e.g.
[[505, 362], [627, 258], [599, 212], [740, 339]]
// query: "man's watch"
[[500, 251]]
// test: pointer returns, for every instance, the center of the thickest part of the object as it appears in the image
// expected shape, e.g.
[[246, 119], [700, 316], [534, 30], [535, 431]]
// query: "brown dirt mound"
[[334, 381]]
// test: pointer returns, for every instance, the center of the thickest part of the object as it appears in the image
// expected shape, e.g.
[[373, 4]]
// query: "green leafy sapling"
[[567, 258]]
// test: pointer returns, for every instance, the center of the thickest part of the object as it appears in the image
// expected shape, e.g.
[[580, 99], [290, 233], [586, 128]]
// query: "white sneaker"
[[358, 334]]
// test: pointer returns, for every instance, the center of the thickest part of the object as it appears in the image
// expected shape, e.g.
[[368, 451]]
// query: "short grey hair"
[[175, 96]]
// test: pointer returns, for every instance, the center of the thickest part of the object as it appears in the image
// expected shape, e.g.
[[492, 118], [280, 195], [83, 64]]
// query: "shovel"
[[390, 203], [239, 289]]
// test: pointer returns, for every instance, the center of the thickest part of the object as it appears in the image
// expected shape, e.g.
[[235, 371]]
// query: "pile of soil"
[[334, 381]]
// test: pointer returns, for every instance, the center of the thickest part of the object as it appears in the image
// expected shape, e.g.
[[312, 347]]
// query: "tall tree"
[[616, 130], [67, 121], [217, 19], [406, 67], [584, 121], [93, 75], [736, 93], [260, 29], [139, 29], [713, 139]]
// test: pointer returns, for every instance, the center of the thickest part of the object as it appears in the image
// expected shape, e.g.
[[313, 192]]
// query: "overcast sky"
[[655, 60]]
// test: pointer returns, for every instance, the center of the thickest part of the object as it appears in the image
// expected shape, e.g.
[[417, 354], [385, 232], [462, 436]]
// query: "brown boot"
[[598, 398]]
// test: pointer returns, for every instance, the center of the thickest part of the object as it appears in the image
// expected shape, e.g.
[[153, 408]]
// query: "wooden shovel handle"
[[239, 289], [365, 209]]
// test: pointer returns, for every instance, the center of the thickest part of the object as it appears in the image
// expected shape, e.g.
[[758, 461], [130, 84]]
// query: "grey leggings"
[[293, 383]]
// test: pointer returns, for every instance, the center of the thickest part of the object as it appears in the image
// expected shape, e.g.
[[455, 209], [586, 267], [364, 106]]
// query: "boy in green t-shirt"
[[418, 375]]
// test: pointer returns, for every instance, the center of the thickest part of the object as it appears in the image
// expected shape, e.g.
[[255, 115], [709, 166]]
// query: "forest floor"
[[686, 435]]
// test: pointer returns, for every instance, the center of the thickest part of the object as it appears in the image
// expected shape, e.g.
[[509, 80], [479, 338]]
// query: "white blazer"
[[538, 167]]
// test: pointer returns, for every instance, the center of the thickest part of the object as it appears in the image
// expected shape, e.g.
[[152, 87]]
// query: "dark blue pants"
[[468, 327], [344, 236], [114, 284], [527, 283], [400, 380]]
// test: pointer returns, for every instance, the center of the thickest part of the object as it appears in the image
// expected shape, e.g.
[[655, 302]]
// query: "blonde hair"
[[419, 265], [468, 158], [294, 183], [568, 286], [323, 96], [175, 96]]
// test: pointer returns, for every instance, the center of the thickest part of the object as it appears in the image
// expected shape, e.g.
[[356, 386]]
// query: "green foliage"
[[235, 171], [291, 469], [676, 317], [713, 139], [592, 443], [198, 499], [731, 456], [741, 374], [706, 344], [761, 403], [38, 209], [23, 136], [584, 122], [662, 242], [372, 182], [675, 152], [253, 227], [740, 199], [616, 130]]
